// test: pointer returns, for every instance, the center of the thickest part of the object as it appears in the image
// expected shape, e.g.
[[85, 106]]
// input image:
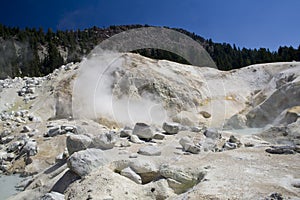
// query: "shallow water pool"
[[7, 185]]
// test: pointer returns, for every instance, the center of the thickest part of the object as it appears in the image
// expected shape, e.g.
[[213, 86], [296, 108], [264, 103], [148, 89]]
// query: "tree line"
[[35, 52]]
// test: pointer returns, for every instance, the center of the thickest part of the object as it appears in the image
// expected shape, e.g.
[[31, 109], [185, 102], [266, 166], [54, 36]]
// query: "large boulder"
[[178, 179], [146, 169], [171, 128], [83, 162], [150, 151], [77, 143], [104, 141], [143, 131]]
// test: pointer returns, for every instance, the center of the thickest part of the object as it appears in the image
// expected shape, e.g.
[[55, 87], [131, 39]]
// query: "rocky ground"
[[209, 134]]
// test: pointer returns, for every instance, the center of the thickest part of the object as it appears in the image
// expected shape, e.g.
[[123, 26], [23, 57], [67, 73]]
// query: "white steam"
[[96, 88]]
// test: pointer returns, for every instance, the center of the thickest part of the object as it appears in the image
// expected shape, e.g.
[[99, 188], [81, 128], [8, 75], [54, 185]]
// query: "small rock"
[[71, 129], [196, 129], [135, 139], [159, 136], [147, 170], [233, 139], [77, 143], [5, 133], [209, 144], [31, 118], [205, 114], [229, 146], [179, 180], [33, 133], [129, 173], [143, 131], [185, 140], [10, 156], [126, 132], [150, 151], [283, 150], [53, 196], [188, 145], [14, 146], [26, 129], [274, 196], [171, 128], [212, 133], [125, 144], [30, 148], [296, 184], [53, 131], [60, 157], [7, 139], [248, 144], [19, 120], [133, 155]]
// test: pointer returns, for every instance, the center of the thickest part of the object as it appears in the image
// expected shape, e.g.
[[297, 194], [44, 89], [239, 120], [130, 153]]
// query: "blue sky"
[[246, 23]]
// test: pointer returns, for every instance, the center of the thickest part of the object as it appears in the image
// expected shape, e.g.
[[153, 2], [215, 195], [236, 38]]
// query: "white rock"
[[229, 146], [143, 131], [150, 151], [85, 161], [141, 166], [53, 196], [129, 173], [135, 139], [14, 146], [7, 139]]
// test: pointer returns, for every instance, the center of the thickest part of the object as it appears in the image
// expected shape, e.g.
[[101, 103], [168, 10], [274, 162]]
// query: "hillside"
[[34, 52], [153, 129]]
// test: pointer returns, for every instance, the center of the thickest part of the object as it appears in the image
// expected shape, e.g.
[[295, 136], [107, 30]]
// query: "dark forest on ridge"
[[35, 52]]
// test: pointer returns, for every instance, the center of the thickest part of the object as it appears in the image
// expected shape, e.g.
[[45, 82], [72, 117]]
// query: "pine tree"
[[53, 60]]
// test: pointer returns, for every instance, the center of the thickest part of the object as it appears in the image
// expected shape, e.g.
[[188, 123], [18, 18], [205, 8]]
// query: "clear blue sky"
[[247, 23]]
